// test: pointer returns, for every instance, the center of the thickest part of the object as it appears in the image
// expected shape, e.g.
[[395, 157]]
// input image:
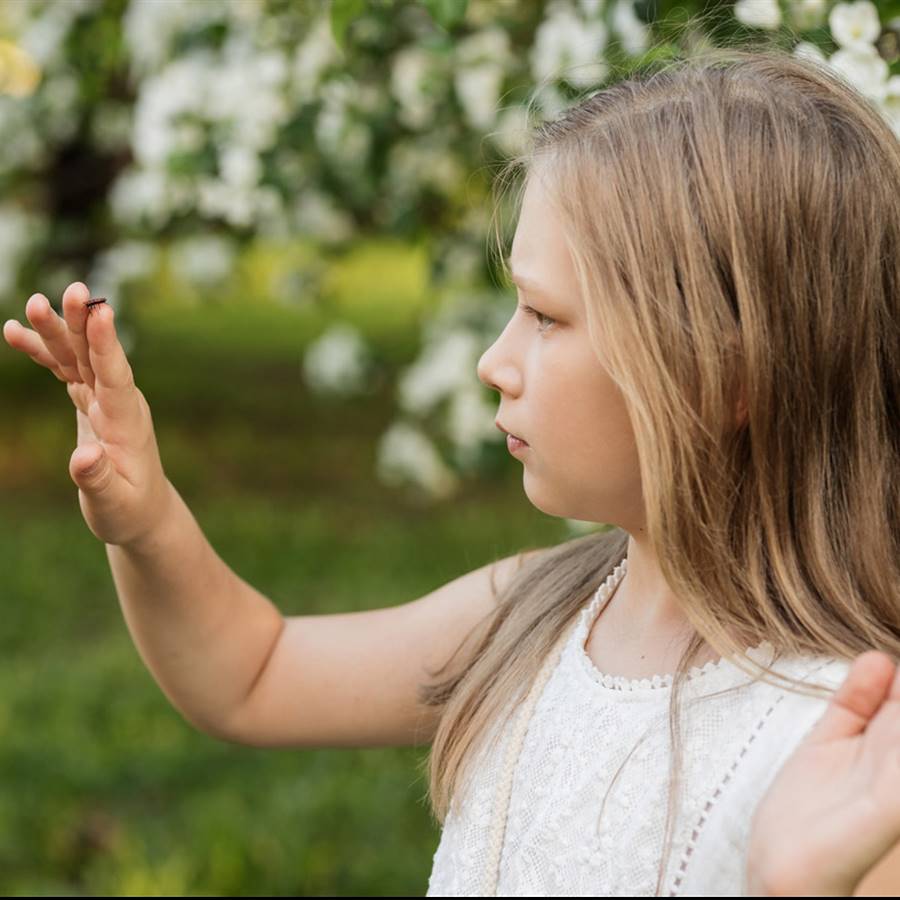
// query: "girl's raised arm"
[[222, 652]]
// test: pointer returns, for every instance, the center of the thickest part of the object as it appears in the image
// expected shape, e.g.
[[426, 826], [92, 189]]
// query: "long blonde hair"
[[734, 222]]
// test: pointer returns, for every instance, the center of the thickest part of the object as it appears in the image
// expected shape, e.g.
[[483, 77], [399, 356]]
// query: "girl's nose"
[[496, 370]]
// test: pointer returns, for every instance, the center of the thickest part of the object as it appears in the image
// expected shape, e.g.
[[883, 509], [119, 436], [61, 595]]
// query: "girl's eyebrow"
[[526, 283]]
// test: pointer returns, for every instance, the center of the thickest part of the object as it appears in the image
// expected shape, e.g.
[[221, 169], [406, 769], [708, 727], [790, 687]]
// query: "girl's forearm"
[[201, 630]]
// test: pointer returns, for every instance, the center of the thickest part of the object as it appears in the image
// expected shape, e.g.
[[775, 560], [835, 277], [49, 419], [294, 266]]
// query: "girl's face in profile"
[[581, 460]]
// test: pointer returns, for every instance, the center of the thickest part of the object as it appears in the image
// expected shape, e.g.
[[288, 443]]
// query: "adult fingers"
[[75, 312], [32, 344]]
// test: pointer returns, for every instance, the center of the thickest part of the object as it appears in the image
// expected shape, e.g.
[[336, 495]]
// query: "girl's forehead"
[[540, 260]]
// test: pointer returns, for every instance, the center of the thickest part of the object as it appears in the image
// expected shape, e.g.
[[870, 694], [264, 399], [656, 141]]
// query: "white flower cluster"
[[16, 228], [338, 362], [417, 75], [566, 46], [53, 113], [233, 100], [126, 261], [406, 456], [444, 380], [481, 63], [855, 28], [241, 106], [204, 260]]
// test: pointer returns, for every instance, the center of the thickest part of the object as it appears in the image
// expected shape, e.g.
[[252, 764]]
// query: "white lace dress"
[[582, 728]]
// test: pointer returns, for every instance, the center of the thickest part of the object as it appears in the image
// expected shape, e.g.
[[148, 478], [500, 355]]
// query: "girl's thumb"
[[90, 470]]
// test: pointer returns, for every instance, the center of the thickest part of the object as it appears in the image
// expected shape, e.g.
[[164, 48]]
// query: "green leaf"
[[343, 12], [447, 13]]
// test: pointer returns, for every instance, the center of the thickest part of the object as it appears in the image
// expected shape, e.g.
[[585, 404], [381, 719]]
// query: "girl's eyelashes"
[[544, 322]]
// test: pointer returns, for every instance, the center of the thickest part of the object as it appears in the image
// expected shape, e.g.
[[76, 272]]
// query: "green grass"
[[107, 790]]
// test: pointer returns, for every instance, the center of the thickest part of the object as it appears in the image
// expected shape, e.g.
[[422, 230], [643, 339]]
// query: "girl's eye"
[[544, 322]]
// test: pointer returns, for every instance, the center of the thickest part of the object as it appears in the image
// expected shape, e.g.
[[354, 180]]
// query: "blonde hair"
[[734, 222]]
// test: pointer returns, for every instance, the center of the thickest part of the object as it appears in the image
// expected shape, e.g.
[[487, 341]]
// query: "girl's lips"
[[515, 444], [509, 433]]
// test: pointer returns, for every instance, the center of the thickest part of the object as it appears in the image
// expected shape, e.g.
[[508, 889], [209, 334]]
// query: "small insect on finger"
[[94, 302]]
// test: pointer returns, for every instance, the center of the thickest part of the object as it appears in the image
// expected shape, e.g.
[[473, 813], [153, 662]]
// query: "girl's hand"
[[833, 810], [123, 490]]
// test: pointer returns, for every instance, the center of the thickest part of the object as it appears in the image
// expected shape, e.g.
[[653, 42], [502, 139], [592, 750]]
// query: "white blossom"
[[567, 47], [470, 420], [855, 25], [808, 50], [312, 59], [891, 104], [340, 136], [758, 13], [217, 199], [177, 90], [239, 166], [246, 90], [405, 454], [422, 162], [22, 146], [18, 231], [151, 26], [592, 8], [489, 45], [315, 213], [203, 259], [41, 32], [241, 95], [807, 14], [550, 100], [44, 36], [447, 362], [635, 35], [478, 89], [337, 362], [511, 133], [412, 78], [863, 67], [479, 70], [128, 260], [141, 195]]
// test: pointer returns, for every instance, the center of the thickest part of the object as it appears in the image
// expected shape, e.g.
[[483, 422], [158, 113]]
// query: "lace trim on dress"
[[656, 682]]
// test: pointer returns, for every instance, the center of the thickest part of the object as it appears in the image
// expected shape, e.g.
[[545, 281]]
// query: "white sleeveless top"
[[582, 727]]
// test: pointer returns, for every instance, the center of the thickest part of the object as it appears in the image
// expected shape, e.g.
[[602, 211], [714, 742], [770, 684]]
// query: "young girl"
[[702, 699]]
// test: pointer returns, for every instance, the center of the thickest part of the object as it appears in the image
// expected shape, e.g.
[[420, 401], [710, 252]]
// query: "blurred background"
[[289, 204]]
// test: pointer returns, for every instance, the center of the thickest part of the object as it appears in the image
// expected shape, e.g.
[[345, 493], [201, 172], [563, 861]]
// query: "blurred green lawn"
[[107, 790]]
